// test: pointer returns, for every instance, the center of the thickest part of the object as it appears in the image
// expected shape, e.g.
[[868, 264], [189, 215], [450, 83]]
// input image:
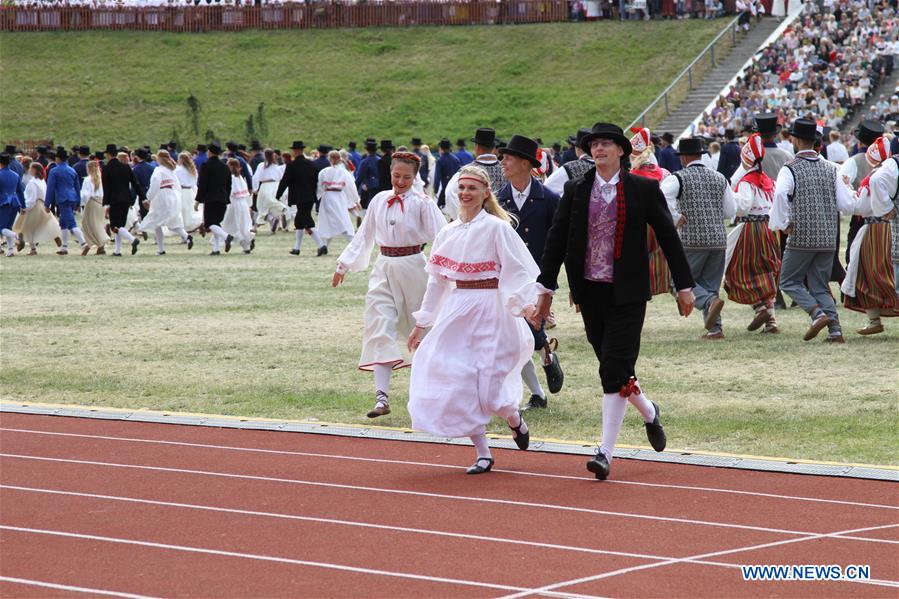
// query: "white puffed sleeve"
[[438, 287], [432, 220], [32, 194], [154, 185], [518, 271], [356, 256], [349, 190]]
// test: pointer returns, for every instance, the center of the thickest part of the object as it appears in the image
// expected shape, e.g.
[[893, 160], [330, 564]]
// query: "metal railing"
[[708, 51], [327, 14]]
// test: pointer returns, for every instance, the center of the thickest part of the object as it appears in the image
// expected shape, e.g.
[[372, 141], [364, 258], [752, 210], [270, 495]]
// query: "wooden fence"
[[309, 15]]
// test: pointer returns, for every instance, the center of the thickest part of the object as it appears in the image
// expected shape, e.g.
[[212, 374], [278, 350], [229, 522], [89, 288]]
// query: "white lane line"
[[282, 560], [66, 587], [628, 570], [544, 506], [432, 465], [423, 531]]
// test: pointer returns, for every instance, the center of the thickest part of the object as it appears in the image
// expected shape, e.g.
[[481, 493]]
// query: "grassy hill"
[[543, 80]]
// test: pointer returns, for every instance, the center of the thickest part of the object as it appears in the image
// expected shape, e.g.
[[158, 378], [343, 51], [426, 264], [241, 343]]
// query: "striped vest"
[[813, 205], [701, 201], [577, 168], [495, 172]]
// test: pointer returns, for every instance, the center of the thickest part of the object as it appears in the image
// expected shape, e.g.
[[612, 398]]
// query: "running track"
[[134, 509]]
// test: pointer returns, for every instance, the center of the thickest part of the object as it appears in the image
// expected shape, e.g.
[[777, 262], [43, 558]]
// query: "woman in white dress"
[[164, 202], [265, 185], [93, 218], [482, 280], [186, 171], [36, 225], [338, 196], [400, 221], [238, 222]]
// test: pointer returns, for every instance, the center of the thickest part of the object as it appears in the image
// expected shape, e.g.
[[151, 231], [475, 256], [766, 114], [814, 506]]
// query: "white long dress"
[[337, 192], [265, 185], [468, 367], [165, 201], [191, 218], [237, 221], [93, 218], [397, 284]]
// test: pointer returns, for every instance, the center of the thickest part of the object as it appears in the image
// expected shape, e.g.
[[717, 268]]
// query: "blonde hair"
[[187, 161], [93, 171], [165, 159], [643, 157], [491, 205]]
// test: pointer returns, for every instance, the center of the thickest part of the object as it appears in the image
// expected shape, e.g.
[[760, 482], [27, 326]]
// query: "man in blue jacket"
[[534, 207], [12, 201], [14, 165], [367, 180], [447, 166], [729, 160], [666, 156], [64, 192], [462, 154]]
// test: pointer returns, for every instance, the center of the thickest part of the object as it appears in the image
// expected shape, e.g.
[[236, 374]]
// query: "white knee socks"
[[126, 235], [481, 445], [181, 233], [65, 238], [160, 246], [299, 241], [78, 235], [10, 241], [644, 406], [529, 375], [613, 407], [315, 237], [382, 377]]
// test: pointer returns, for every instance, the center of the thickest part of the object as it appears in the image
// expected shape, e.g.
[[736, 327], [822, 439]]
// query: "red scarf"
[[620, 218], [394, 200], [760, 181], [865, 184]]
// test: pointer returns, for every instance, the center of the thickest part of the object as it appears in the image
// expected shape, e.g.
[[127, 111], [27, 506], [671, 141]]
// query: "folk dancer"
[[119, 181], [809, 194], [238, 221], [870, 285], [337, 195], [300, 181], [64, 193], [12, 201], [532, 207], [752, 259], [35, 225], [481, 283], [399, 222], [265, 185], [700, 199], [92, 218], [214, 193], [856, 169], [164, 204], [599, 232]]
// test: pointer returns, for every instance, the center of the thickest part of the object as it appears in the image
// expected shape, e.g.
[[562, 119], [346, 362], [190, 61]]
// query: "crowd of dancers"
[[472, 312]]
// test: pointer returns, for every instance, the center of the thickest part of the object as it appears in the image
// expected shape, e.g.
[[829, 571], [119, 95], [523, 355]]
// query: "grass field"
[[334, 85], [265, 335]]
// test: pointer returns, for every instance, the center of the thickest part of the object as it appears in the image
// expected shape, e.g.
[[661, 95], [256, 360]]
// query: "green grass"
[[334, 85], [265, 335]]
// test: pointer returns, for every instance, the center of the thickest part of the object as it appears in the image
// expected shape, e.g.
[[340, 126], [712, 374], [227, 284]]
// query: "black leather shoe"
[[534, 402], [322, 251], [476, 468], [554, 375], [294, 252], [252, 244], [190, 242], [228, 241], [599, 466], [522, 440], [134, 245], [215, 253], [655, 433]]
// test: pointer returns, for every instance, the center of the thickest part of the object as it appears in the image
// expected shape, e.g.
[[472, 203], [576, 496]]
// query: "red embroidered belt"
[[479, 284], [408, 250]]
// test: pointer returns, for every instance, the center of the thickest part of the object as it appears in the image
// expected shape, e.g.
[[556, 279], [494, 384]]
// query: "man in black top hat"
[[300, 180], [120, 185], [533, 206], [570, 152], [462, 154], [14, 165], [384, 182], [214, 193], [201, 156], [424, 170], [143, 170], [603, 215], [84, 156], [353, 154], [856, 169], [808, 196], [447, 166], [42, 155], [321, 162], [256, 156]]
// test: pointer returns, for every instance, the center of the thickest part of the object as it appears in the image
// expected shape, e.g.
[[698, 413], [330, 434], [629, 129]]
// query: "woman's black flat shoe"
[[522, 440], [476, 468]]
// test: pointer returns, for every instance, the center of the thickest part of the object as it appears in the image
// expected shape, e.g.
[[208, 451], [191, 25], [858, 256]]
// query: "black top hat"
[[84, 150], [386, 144], [804, 129], [766, 123], [297, 145], [416, 141], [668, 137], [690, 146], [215, 147], [606, 131], [523, 147], [557, 146], [869, 131], [172, 143], [241, 146], [111, 149], [142, 153], [500, 144], [351, 145], [323, 148], [485, 137], [371, 145], [460, 142], [445, 144], [201, 147], [575, 139], [10, 149], [231, 145], [61, 153], [41, 149], [98, 156]]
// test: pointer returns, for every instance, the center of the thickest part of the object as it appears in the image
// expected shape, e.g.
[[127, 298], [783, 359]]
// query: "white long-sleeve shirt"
[[34, 191], [780, 210], [339, 180], [162, 178], [749, 200], [88, 192], [556, 181], [670, 187], [414, 222], [272, 172], [883, 184], [185, 177]]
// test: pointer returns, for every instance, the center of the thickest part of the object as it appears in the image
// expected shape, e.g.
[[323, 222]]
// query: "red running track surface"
[[137, 509]]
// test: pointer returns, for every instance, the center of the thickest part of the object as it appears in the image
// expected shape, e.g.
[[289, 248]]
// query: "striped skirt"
[[751, 274], [659, 275], [875, 286]]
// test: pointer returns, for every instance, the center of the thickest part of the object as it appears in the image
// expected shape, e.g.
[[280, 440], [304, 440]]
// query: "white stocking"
[[78, 235], [613, 407], [299, 234], [481, 445], [315, 237], [529, 375], [160, 246], [644, 406], [382, 377]]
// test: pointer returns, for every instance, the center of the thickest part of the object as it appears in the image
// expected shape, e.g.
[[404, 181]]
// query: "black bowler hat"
[[84, 150], [804, 129], [111, 149], [201, 147], [668, 137], [255, 145], [231, 145], [41, 149], [297, 145], [215, 147], [416, 141], [61, 153], [323, 148], [869, 131], [606, 131], [485, 137], [386, 144], [523, 147], [690, 146], [98, 156], [142, 153], [351, 145], [500, 144], [766, 123], [460, 142], [371, 145], [445, 144], [10, 149], [575, 139], [557, 146]]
